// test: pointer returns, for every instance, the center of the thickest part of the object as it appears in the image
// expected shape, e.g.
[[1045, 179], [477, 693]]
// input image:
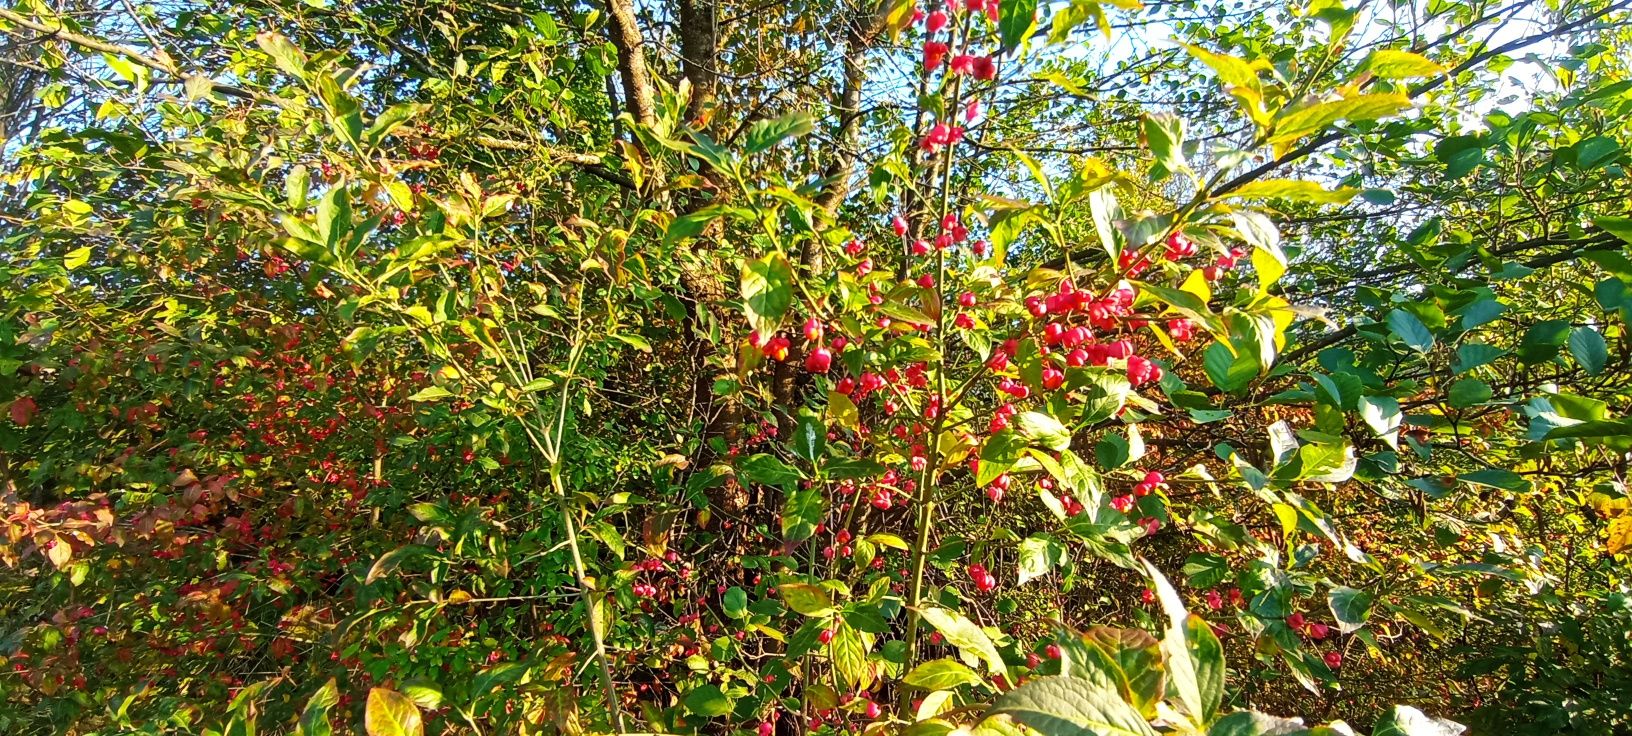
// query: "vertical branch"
[[699, 55], [637, 82]]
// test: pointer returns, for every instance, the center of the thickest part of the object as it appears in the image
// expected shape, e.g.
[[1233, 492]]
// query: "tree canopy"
[[716, 366]]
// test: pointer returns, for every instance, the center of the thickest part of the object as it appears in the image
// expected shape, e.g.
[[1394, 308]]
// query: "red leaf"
[[22, 410]]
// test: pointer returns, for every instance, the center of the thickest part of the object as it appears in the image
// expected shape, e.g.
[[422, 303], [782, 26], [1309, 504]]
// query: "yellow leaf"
[[842, 411], [390, 713], [1620, 535]]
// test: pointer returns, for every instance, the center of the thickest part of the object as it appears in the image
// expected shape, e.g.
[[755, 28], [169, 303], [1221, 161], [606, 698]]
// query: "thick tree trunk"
[[637, 82]]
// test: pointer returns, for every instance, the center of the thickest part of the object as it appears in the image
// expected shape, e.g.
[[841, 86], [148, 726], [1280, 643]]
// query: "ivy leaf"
[[767, 291], [390, 713], [1068, 706]]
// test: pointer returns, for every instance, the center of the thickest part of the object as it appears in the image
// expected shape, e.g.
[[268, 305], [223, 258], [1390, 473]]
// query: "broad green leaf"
[[1397, 64], [390, 713], [1350, 607], [284, 54], [314, 718], [735, 602], [1163, 134], [1260, 232], [1043, 429], [966, 635], [1138, 657], [802, 511], [1589, 349], [1067, 706], [765, 134], [941, 674], [1620, 227], [1015, 20], [390, 561], [769, 470], [1039, 555], [1253, 723], [1293, 124], [1468, 392], [999, 453], [1616, 435], [1410, 330], [1382, 415], [849, 653], [809, 437], [1403, 720], [806, 599], [1506, 480], [1195, 668], [767, 291], [1295, 190], [76, 258], [707, 701]]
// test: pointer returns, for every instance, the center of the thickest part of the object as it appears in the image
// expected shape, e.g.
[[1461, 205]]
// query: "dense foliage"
[[721, 366]]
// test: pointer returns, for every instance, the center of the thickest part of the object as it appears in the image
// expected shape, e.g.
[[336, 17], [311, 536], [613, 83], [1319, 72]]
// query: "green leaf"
[[1228, 371], [692, 224], [1468, 392], [806, 599], [966, 635], [941, 674], [284, 54], [849, 652], [1410, 330], [1039, 554], [1589, 349], [1350, 607], [1260, 232], [314, 718], [390, 713], [1397, 64], [1253, 723], [1620, 227], [809, 437], [1043, 429], [769, 470], [1506, 480], [735, 602], [1068, 706], [1195, 659], [1616, 435], [767, 291], [1296, 123], [390, 561], [1294, 190], [1403, 720], [1472, 355], [707, 701], [1000, 452], [76, 258], [766, 134], [1015, 20], [390, 120], [801, 513], [1596, 151], [1164, 135], [1381, 414]]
